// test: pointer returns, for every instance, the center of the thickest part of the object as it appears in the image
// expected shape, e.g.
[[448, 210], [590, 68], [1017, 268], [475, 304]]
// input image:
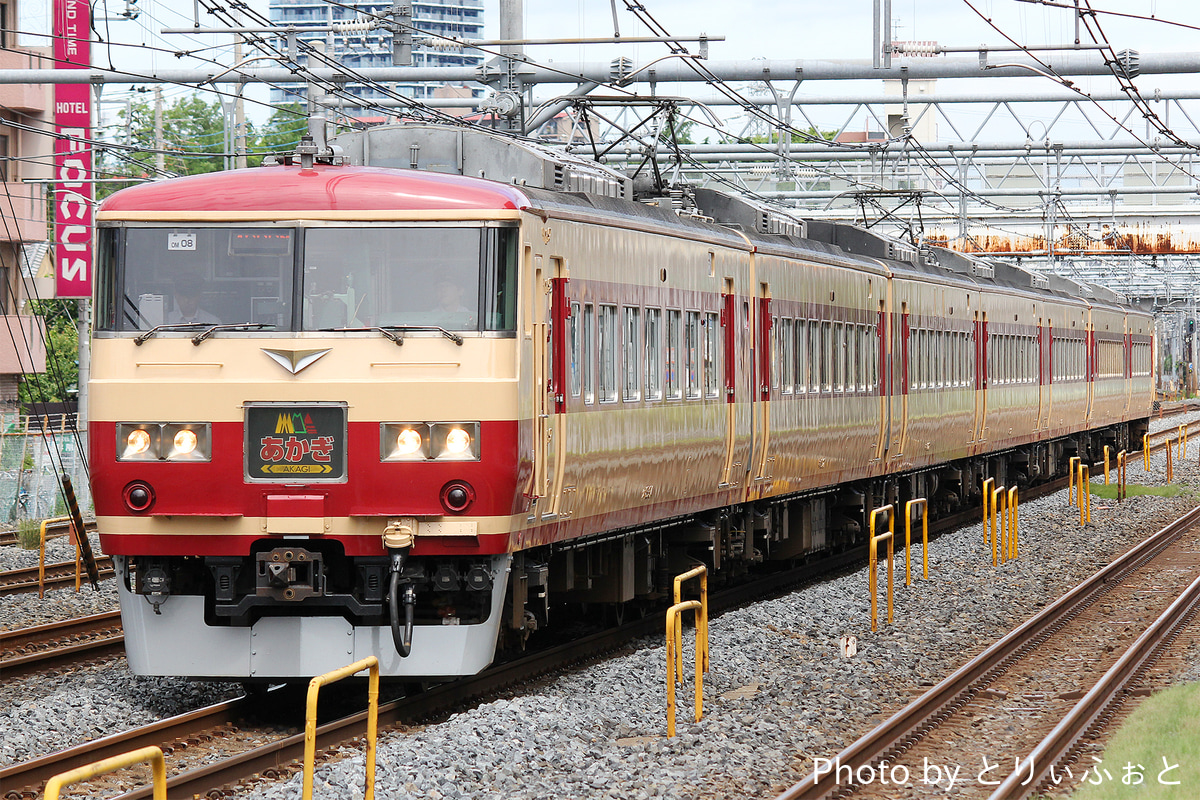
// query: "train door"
[[1127, 368], [737, 317], [899, 380], [1089, 366], [761, 413], [981, 376], [550, 309], [1043, 418], [882, 382]]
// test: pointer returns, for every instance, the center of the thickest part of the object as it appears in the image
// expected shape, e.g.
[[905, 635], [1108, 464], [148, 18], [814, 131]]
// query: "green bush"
[[29, 534]]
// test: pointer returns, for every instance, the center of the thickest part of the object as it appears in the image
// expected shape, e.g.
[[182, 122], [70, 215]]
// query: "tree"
[[62, 355]]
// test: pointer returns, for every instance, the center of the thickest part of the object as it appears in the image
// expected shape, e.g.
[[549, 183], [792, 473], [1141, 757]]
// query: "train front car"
[[303, 391]]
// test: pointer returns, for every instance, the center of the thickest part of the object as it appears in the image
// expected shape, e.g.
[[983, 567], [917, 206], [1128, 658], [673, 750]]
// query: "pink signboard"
[[72, 154]]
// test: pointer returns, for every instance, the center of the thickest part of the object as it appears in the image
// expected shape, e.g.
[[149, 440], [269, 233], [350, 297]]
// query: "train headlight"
[[409, 442], [458, 441], [403, 441], [163, 441], [454, 441], [189, 441], [137, 443], [429, 441]]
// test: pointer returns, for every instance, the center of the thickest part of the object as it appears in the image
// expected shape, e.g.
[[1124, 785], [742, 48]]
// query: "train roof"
[[287, 189]]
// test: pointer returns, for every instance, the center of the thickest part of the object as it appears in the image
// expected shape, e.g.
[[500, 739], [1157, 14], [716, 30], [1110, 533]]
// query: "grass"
[[29, 534], [1165, 725], [1109, 492]]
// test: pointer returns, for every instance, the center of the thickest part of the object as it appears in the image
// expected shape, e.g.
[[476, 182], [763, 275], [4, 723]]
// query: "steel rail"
[[54, 529], [62, 573], [957, 688], [1100, 700], [57, 657], [53, 631], [36, 772]]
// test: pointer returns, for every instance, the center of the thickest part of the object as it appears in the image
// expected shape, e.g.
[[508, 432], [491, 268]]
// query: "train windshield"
[[314, 277], [457, 278]]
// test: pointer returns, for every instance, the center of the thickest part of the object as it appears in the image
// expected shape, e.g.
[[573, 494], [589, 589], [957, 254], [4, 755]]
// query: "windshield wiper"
[[396, 332], [178, 326], [230, 326]]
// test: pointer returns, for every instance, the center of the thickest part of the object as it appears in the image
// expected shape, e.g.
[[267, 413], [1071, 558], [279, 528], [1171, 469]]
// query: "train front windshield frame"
[[313, 276]]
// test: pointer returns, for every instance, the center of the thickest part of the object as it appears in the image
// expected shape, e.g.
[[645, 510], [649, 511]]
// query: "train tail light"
[[457, 496]]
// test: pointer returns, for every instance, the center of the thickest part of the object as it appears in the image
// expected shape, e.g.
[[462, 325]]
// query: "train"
[[411, 390]]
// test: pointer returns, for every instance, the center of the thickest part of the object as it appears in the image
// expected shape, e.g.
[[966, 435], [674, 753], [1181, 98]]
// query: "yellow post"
[[1072, 471], [42, 557], [675, 643], [701, 618], [998, 519], [872, 581], [1170, 464], [1085, 495], [1146, 451], [310, 720], [158, 769], [924, 536], [1013, 527], [1181, 441], [1122, 466], [988, 485], [1106, 465]]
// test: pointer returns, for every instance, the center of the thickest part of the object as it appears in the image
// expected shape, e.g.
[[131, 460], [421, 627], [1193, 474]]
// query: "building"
[[25, 152], [356, 48]]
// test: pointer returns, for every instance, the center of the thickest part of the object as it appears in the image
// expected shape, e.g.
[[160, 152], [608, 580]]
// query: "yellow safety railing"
[[1122, 465], [988, 485], [908, 507], [1182, 441], [1106, 465], [310, 720], [1072, 472], [1170, 463], [675, 643], [998, 521], [154, 755], [42, 557], [1146, 451], [1085, 495], [701, 616], [890, 510], [1012, 526]]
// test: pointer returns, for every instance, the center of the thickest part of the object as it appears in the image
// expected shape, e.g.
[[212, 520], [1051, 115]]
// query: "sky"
[[776, 29]]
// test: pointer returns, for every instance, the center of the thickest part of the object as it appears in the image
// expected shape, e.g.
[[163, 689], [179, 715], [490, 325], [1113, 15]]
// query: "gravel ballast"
[[779, 693]]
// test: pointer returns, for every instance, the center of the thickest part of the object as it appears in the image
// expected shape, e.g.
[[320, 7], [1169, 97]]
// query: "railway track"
[[58, 575], [225, 735], [1036, 693], [59, 644], [53, 530]]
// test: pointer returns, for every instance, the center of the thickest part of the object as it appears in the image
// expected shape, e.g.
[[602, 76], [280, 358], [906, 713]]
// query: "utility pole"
[[511, 106], [160, 161], [239, 104]]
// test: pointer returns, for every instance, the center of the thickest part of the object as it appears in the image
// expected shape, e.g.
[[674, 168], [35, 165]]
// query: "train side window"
[[867, 350], [630, 351], [692, 346], [815, 355], [712, 355], [654, 375], [784, 359], [837, 360], [853, 365], [573, 331], [800, 355], [608, 353], [914, 358], [588, 348], [826, 356], [674, 353]]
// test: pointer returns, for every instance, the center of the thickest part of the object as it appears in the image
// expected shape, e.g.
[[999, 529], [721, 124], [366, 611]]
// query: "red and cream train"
[[357, 404]]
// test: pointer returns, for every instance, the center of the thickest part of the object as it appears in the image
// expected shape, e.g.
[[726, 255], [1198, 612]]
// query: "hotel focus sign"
[[72, 153]]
